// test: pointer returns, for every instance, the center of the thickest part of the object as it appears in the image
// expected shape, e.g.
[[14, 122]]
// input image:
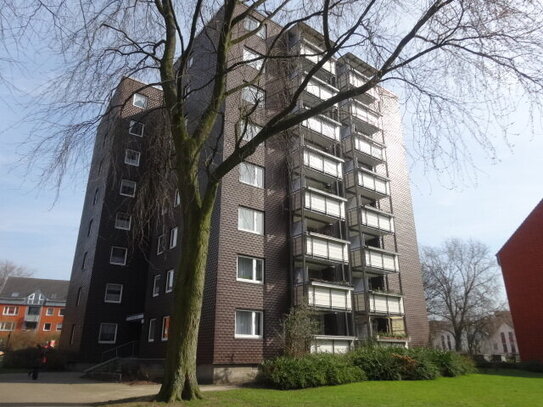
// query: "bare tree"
[[461, 287], [457, 61], [10, 269]]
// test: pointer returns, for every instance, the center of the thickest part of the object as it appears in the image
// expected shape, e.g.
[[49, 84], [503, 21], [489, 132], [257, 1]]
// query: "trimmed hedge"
[[365, 363], [26, 359], [313, 370]]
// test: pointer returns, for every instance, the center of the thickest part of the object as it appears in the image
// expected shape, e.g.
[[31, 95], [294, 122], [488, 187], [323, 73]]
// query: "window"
[[10, 310], [89, 228], [59, 327], [47, 326], [95, 198], [169, 281], [123, 221], [61, 312], [250, 220], [255, 60], [161, 244], [248, 130], [165, 328], [251, 174], [33, 310], [173, 237], [250, 269], [118, 255], [49, 312], [248, 324], [114, 293], [136, 128], [177, 199], [78, 298], [84, 261], [512, 342], [72, 334], [504, 342], [140, 100], [251, 24], [151, 331], [253, 95], [132, 157], [128, 188], [108, 333], [156, 285], [7, 326]]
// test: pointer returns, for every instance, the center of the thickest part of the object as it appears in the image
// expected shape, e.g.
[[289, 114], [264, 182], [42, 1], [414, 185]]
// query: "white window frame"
[[162, 337], [160, 244], [140, 100], [251, 129], [102, 324], [118, 221], [256, 212], [254, 335], [250, 55], [45, 324], [127, 183], [7, 326], [135, 162], [173, 237], [61, 312], [7, 309], [59, 327], [251, 24], [156, 285], [169, 280], [256, 172], [108, 285], [111, 256], [255, 261], [49, 314], [253, 94], [132, 124], [151, 330]]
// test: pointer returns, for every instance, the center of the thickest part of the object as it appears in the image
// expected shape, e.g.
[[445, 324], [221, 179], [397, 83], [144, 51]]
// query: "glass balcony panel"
[[310, 54], [336, 251], [381, 186], [323, 164]]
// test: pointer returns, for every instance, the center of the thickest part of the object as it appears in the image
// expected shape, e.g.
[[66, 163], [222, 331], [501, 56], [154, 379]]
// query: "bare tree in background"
[[10, 269], [459, 64], [461, 286]]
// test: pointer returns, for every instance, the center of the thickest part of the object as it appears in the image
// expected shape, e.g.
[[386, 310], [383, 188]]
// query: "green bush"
[[309, 371], [26, 359], [451, 364]]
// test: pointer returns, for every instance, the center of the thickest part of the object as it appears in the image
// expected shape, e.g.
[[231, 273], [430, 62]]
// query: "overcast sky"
[[39, 233]]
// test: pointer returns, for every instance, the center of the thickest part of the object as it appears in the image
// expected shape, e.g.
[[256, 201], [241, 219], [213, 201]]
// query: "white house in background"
[[500, 339]]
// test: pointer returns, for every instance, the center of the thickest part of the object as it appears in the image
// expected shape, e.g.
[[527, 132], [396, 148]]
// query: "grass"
[[493, 388]]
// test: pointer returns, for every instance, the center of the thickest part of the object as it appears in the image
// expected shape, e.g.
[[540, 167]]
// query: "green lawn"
[[498, 388]]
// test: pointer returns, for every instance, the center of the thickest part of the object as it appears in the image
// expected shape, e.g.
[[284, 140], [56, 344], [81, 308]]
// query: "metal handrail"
[[116, 349]]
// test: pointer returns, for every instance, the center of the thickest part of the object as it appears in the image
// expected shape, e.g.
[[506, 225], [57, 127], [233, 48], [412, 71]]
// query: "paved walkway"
[[65, 389]]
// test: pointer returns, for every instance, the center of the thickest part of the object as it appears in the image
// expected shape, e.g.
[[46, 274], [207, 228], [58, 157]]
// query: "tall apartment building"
[[522, 268], [321, 213]]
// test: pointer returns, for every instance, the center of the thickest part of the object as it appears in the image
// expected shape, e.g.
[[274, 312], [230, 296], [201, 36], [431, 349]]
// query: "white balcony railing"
[[332, 344], [379, 303], [371, 220], [325, 127], [374, 186], [373, 259], [370, 120], [314, 55], [322, 162], [320, 89], [357, 79], [366, 149], [320, 203], [321, 247], [327, 296]]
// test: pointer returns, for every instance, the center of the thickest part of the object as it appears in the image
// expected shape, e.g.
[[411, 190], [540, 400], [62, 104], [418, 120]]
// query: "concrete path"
[[65, 389]]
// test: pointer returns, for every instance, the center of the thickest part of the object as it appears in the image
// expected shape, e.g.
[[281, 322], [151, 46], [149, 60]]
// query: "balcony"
[[366, 119], [321, 130], [371, 221], [372, 259], [326, 296], [372, 185], [312, 55], [316, 90], [321, 248], [31, 318], [379, 303], [319, 205], [351, 78], [319, 165], [332, 344], [364, 148]]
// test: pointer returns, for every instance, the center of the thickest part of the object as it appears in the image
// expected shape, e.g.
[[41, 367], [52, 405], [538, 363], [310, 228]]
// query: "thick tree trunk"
[[180, 368]]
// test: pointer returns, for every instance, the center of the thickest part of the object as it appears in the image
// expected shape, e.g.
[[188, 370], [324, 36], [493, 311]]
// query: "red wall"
[[44, 318], [521, 260]]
